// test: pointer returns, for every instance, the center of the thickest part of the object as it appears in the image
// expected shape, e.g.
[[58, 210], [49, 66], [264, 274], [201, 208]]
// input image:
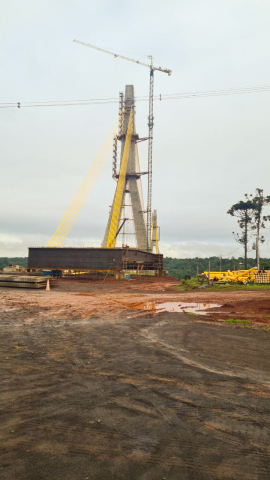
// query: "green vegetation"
[[244, 322], [194, 283], [238, 286], [179, 267], [5, 261], [244, 211], [250, 217], [192, 314], [191, 284]]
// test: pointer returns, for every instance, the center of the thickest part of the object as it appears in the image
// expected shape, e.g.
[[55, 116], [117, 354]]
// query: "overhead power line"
[[160, 97]]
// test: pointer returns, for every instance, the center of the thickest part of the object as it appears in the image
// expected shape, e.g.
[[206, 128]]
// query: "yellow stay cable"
[[120, 186], [80, 198], [76, 205]]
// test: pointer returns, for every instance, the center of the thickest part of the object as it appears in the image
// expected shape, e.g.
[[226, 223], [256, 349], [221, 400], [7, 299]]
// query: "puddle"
[[184, 307]]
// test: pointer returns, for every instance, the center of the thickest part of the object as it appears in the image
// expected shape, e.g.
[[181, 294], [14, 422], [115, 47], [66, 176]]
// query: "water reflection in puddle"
[[184, 307]]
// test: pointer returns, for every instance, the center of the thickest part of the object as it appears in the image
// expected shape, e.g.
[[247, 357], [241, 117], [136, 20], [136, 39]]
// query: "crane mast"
[[150, 127], [150, 160]]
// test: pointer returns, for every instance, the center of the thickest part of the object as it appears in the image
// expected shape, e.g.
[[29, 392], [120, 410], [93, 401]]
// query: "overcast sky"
[[208, 152]]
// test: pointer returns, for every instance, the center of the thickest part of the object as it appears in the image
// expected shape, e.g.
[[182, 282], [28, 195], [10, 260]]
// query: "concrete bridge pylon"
[[133, 185]]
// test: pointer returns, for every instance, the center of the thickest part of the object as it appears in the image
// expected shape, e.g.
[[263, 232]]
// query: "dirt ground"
[[93, 386]]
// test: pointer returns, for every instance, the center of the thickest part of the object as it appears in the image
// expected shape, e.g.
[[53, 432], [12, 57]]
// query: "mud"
[[93, 389], [198, 308]]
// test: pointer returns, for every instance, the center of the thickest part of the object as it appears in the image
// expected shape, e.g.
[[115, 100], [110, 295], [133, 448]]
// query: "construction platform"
[[93, 259]]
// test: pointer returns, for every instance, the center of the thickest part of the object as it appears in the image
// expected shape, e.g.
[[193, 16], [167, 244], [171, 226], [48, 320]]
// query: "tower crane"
[[150, 125]]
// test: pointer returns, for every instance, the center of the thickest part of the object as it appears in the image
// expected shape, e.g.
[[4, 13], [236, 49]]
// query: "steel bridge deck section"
[[69, 258]]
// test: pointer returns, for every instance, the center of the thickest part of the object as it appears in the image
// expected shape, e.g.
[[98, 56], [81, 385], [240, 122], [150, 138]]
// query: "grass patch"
[[237, 286], [243, 322], [194, 283], [191, 284], [193, 314], [267, 316]]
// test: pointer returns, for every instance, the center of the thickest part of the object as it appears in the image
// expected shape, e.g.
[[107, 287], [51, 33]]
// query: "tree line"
[[6, 261], [180, 267]]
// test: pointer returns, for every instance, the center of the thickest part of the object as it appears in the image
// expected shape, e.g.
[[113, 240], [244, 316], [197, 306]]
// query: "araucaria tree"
[[244, 211], [259, 201]]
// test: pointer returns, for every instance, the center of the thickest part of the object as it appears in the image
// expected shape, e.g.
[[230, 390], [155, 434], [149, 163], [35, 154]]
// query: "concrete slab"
[[22, 279], [22, 285]]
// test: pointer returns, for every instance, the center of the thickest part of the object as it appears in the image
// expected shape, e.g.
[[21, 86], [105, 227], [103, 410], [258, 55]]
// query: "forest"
[[6, 261]]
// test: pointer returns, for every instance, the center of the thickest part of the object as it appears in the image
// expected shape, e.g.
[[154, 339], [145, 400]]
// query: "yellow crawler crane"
[[81, 196], [233, 276], [120, 186]]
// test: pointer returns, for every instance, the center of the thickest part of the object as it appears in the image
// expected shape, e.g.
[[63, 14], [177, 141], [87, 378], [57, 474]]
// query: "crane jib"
[[117, 55]]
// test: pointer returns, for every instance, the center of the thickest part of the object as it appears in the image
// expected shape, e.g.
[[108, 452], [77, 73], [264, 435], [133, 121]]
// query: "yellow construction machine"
[[239, 276]]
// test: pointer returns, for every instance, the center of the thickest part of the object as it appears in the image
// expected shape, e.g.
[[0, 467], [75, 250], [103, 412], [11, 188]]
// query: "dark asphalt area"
[[150, 398]]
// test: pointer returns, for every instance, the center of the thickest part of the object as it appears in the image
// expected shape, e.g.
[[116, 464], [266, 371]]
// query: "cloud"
[[16, 245], [199, 249], [207, 152], [10, 240], [10, 244]]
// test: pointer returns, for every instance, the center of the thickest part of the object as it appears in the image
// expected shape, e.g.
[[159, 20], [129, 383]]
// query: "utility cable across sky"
[[160, 97]]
